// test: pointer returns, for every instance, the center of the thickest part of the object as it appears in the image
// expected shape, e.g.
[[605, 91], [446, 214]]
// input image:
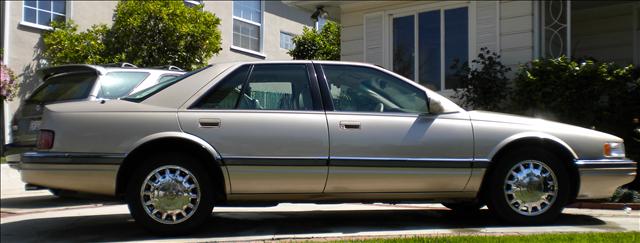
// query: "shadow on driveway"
[[117, 227], [49, 201]]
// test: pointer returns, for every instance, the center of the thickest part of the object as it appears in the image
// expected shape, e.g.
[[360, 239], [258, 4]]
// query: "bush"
[[65, 45], [145, 33], [317, 45], [484, 84], [8, 84]]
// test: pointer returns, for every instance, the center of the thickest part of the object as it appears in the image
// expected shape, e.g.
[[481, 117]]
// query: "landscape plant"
[[315, 44], [8, 81]]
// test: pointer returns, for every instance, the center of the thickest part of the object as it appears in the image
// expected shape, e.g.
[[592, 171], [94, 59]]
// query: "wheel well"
[[549, 145], [176, 145]]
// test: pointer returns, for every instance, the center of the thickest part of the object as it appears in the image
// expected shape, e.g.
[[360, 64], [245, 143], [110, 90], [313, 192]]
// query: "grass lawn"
[[556, 237]]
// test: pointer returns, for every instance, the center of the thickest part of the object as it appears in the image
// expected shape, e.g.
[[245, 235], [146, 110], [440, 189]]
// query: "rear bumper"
[[82, 172], [12, 153], [600, 178]]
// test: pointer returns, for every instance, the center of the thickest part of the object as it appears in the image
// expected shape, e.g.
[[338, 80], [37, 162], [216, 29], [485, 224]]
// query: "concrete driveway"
[[39, 216]]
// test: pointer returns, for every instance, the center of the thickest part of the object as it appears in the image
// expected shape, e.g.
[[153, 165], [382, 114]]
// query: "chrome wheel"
[[530, 187], [170, 194]]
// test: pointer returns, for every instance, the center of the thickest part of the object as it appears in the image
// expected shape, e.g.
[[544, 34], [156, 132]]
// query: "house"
[[272, 25], [421, 39]]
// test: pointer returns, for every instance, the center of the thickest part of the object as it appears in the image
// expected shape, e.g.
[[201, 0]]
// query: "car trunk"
[[58, 88]]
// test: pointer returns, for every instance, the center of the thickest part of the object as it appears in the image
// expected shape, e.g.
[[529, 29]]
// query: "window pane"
[[429, 48], [44, 18], [64, 87], [59, 18], [277, 87], [224, 95], [250, 10], [364, 89], [30, 15], [246, 35], [286, 41], [59, 6], [167, 78], [118, 84], [44, 5], [403, 48], [456, 44], [31, 3]]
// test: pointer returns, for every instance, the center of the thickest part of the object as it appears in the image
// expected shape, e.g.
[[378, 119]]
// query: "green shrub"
[[65, 45], [317, 45], [484, 84]]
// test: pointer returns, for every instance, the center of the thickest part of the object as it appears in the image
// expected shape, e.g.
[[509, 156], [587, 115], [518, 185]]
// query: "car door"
[[267, 123], [382, 139]]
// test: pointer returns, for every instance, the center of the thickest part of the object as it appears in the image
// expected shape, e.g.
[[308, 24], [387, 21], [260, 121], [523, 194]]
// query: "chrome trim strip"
[[607, 164], [72, 158], [356, 162]]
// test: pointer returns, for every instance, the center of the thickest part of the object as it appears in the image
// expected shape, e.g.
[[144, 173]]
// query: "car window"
[[64, 87], [141, 95], [164, 78], [114, 85], [269, 87], [364, 89]]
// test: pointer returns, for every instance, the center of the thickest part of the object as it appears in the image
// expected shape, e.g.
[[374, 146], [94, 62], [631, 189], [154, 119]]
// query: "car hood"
[[542, 125]]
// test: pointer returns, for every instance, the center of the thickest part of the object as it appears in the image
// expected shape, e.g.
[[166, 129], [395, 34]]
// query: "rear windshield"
[[118, 84], [148, 92], [72, 86]]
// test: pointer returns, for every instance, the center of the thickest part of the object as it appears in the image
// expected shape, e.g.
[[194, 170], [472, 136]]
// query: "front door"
[[382, 140], [268, 126]]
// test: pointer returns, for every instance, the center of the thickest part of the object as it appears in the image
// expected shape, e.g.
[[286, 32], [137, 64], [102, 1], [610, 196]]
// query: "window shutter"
[[373, 39]]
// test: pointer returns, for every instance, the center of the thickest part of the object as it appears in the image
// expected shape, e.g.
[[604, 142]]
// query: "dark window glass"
[[30, 15], [167, 77], [31, 3], [44, 5], [118, 84], [44, 18], [224, 95], [403, 48], [270, 87], [59, 6], [364, 89], [429, 46], [456, 45], [64, 87]]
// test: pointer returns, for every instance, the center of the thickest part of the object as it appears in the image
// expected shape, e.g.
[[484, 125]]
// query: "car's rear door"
[[267, 123], [381, 140]]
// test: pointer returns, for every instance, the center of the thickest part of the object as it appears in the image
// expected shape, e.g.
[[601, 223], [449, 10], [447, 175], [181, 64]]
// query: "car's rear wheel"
[[170, 194], [528, 186]]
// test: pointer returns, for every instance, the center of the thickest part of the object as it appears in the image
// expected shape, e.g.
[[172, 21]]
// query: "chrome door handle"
[[209, 122], [350, 124]]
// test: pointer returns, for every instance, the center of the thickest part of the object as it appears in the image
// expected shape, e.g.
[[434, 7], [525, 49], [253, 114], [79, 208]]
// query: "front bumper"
[[600, 178], [82, 172]]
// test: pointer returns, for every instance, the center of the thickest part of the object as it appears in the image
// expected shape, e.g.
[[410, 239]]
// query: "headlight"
[[614, 150]]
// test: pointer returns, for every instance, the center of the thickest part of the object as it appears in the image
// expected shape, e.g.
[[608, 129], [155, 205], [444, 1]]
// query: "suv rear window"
[[118, 84], [64, 87]]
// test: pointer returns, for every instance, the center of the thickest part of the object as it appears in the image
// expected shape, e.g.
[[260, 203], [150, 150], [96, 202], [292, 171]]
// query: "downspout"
[[5, 59]]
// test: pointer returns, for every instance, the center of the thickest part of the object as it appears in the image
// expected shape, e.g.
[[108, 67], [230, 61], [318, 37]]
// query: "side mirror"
[[435, 107]]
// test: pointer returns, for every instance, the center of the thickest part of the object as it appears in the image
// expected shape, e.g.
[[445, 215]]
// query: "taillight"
[[45, 139]]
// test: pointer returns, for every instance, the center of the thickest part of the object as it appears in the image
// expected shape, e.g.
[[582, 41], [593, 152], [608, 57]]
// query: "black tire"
[[497, 198], [464, 207], [201, 212]]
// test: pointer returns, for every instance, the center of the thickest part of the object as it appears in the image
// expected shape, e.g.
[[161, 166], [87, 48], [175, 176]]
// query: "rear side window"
[[165, 78], [72, 86], [118, 84], [268, 87]]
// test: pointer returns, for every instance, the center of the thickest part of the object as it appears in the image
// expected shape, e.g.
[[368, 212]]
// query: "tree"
[[66, 45], [150, 33], [317, 45], [145, 33]]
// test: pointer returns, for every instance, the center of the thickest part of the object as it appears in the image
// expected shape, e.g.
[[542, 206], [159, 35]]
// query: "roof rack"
[[119, 64], [168, 67]]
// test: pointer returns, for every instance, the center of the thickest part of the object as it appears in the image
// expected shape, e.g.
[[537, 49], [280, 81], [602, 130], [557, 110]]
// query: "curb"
[[614, 206]]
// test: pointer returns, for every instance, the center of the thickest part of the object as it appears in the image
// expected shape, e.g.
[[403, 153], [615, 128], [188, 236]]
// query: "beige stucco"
[[24, 42]]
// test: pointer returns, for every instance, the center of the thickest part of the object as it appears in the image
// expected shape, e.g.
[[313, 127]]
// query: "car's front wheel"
[[528, 186], [170, 194]]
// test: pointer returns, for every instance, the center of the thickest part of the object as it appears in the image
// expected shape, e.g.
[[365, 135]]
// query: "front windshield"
[[148, 92]]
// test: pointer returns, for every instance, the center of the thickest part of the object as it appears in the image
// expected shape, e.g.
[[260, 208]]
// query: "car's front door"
[[266, 122], [382, 140]]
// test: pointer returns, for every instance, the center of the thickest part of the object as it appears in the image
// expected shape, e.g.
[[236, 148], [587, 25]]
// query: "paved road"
[[39, 216]]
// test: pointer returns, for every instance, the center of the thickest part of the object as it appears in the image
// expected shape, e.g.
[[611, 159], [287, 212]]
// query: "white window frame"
[[415, 11], [259, 53], [39, 26], [293, 45]]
